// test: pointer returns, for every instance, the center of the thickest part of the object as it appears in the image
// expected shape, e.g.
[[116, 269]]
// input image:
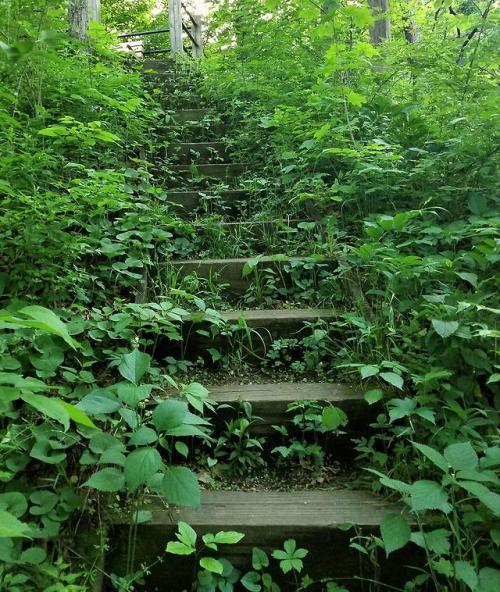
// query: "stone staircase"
[[316, 519]]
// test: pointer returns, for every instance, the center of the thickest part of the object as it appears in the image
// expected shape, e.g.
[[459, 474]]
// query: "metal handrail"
[[142, 33]]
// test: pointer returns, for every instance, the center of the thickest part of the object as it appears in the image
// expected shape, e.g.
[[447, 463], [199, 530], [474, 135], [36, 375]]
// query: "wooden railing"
[[191, 25]]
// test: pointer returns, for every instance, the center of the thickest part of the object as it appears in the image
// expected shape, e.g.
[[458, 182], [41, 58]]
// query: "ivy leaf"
[[108, 480], [140, 465], [180, 487], [395, 532], [445, 328], [134, 365], [11, 527]]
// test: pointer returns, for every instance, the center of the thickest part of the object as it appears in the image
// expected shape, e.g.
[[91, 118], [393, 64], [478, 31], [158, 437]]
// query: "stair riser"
[[227, 203], [198, 153], [248, 341], [329, 555], [231, 273], [221, 172]]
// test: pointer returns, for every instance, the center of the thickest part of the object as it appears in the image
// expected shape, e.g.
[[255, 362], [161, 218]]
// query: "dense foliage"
[[386, 154]]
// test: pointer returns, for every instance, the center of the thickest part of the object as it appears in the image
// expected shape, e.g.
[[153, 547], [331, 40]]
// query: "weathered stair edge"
[[315, 519]]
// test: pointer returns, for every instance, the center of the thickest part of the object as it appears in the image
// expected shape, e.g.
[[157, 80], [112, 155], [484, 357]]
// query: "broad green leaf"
[[212, 565], [250, 581], [489, 498], [428, 495], [373, 396], [393, 378], [11, 527], [186, 534], [395, 532], [228, 537], [134, 365], [332, 418], [169, 414], [433, 455], [33, 556], [445, 328], [178, 548], [143, 436], [260, 558], [108, 480], [180, 487], [77, 415], [140, 465], [489, 580], [436, 541], [47, 406], [99, 402], [461, 456], [45, 320], [367, 371], [464, 572]]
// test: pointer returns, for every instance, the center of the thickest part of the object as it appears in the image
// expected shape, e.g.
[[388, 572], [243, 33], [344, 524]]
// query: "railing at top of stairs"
[[177, 26]]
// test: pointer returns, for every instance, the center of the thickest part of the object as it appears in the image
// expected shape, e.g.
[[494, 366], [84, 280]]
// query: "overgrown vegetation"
[[383, 160]]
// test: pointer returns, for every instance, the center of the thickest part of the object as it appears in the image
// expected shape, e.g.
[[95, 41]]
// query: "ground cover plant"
[[370, 166]]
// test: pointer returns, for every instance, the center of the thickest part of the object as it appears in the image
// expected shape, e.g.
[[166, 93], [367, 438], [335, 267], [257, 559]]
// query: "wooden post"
[[175, 25], [197, 36]]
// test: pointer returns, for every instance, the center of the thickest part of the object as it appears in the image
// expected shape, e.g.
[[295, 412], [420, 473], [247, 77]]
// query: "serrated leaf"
[[428, 495], [140, 465], [461, 456], [169, 415], [433, 455], [180, 487], [445, 328], [464, 572]]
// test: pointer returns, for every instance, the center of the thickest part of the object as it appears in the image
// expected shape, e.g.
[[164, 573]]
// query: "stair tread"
[[234, 510], [243, 260], [306, 314], [285, 392]]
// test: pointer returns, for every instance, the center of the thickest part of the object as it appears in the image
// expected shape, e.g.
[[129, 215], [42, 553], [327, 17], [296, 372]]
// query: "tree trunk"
[[412, 34], [381, 29], [78, 17], [80, 14]]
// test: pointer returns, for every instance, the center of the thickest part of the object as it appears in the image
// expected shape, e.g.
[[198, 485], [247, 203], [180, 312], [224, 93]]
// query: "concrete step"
[[222, 171], [198, 152], [270, 402], [315, 519], [188, 115], [187, 203], [241, 273]]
